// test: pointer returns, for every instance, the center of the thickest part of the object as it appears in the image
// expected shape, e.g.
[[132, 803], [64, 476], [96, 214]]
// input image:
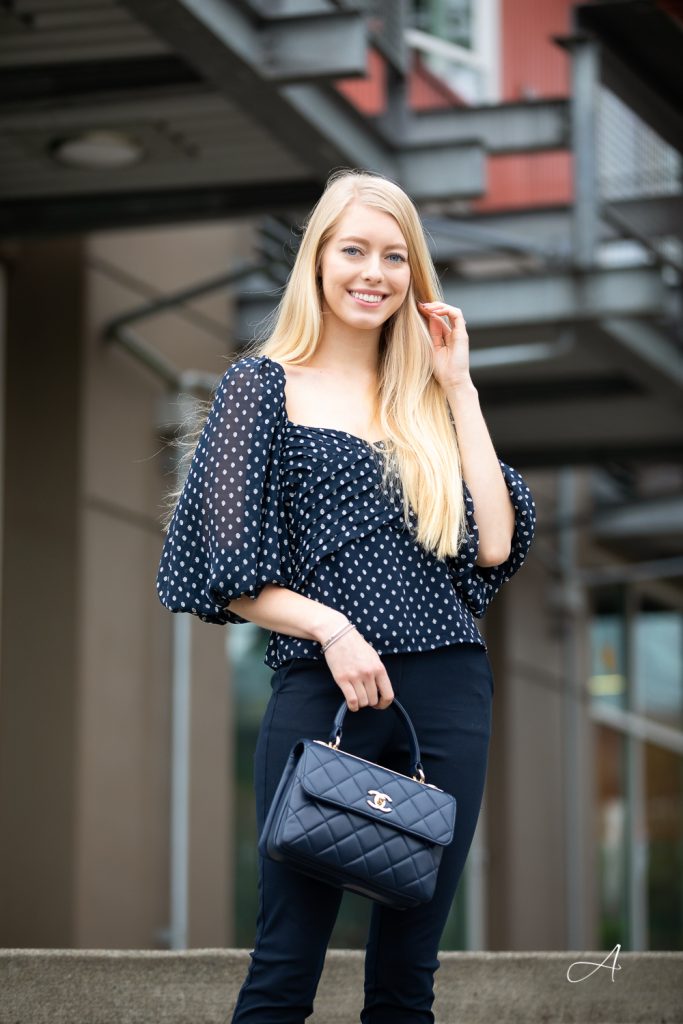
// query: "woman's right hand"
[[359, 672]]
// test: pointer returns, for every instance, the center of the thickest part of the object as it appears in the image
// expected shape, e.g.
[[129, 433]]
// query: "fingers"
[[362, 693], [371, 686], [436, 307], [386, 690], [356, 695], [376, 692], [383, 689], [440, 309], [349, 691]]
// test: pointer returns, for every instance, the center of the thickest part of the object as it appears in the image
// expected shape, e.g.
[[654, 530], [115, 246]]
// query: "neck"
[[350, 355]]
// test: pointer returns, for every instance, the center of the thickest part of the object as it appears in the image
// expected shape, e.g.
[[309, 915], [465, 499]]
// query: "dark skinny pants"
[[448, 694]]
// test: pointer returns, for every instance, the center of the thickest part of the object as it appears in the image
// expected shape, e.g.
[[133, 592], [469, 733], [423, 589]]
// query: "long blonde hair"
[[422, 448]]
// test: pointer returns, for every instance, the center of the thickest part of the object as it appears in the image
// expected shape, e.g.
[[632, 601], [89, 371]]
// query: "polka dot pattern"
[[270, 501]]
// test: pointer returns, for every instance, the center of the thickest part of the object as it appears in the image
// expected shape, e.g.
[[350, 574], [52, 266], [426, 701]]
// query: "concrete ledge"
[[200, 986]]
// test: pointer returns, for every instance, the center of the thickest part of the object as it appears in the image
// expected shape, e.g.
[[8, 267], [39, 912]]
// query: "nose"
[[372, 271]]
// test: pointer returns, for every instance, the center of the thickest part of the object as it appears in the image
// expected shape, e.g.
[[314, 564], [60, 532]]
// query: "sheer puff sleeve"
[[228, 535], [477, 584]]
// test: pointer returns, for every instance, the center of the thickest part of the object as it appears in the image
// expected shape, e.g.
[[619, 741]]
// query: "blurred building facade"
[[543, 148]]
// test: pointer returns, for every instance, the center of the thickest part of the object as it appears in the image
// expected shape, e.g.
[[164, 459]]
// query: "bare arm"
[[284, 611], [355, 665], [494, 511]]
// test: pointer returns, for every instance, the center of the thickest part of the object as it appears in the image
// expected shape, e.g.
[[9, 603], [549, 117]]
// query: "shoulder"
[[253, 373]]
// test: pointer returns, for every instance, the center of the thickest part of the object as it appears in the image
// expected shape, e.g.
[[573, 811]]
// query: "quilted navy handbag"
[[358, 825]]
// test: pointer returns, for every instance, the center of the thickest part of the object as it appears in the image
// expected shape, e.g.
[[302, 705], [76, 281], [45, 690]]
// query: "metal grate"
[[633, 161]]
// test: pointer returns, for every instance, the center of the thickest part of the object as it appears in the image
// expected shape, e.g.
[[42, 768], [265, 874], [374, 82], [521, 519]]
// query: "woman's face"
[[366, 256]]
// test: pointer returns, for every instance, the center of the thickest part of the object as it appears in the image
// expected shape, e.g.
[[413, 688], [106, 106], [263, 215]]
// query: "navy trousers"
[[448, 694]]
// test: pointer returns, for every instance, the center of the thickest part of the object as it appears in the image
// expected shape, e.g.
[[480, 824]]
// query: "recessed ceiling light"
[[97, 149]]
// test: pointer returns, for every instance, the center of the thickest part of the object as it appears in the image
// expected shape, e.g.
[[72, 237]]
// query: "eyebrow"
[[357, 238]]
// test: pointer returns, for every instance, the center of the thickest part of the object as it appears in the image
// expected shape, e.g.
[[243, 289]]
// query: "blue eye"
[[401, 259]]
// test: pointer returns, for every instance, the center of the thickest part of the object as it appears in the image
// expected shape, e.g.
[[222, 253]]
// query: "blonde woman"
[[344, 493]]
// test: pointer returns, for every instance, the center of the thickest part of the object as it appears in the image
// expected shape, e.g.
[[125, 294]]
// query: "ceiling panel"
[[44, 32]]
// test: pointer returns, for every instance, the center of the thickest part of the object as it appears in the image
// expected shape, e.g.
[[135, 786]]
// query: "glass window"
[[658, 663], [664, 844], [607, 682], [446, 19], [612, 836], [636, 666]]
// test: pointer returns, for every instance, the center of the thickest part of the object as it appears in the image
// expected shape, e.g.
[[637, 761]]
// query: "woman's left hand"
[[450, 343]]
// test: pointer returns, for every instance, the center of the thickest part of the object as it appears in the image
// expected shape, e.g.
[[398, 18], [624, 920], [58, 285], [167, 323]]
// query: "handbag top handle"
[[416, 764]]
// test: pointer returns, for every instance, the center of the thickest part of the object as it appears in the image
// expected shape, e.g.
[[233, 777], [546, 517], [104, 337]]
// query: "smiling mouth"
[[367, 302]]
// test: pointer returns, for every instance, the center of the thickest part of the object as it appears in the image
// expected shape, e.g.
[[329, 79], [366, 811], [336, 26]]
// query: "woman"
[[345, 494]]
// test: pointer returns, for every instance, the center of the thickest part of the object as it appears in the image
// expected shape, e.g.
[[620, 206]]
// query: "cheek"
[[402, 285], [335, 277]]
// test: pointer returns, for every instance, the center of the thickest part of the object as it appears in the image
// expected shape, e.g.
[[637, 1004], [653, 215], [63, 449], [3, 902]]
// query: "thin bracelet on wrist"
[[337, 635]]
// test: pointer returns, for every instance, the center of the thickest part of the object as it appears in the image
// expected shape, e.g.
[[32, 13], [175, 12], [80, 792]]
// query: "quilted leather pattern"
[[320, 823], [344, 780]]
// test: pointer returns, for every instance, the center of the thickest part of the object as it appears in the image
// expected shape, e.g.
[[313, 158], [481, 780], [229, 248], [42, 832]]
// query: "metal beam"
[[221, 43], [487, 236], [443, 171], [49, 83], [527, 127], [662, 258], [556, 298], [314, 43], [585, 70], [338, 125], [630, 572], [635, 418], [547, 232], [554, 453], [290, 8], [647, 354], [648, 517], [59, 215], [313, 47]]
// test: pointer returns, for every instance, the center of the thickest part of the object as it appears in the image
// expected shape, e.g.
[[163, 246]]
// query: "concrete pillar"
[[40, 586]]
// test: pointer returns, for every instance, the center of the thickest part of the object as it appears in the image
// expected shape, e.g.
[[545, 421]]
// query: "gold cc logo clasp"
[[379, 800]]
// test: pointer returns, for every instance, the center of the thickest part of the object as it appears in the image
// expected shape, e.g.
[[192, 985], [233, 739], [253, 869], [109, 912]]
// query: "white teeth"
[[367, 298]]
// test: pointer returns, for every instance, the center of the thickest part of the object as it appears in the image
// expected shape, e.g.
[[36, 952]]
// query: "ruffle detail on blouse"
[[477, 584], [228, 535], [337, 495]]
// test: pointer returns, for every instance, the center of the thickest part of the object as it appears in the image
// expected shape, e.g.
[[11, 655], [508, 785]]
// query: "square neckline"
[[307, 426]]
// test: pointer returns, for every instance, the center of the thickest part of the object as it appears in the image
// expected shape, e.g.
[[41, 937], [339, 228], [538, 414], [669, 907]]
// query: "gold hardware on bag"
[[378, 800], [401, 775]]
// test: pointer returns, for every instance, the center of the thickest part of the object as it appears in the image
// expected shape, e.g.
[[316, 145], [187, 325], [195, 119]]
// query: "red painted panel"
[[533, 66]]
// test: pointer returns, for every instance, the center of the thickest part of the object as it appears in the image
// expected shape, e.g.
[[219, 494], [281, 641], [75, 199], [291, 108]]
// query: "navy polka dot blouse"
[[270, 501]]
